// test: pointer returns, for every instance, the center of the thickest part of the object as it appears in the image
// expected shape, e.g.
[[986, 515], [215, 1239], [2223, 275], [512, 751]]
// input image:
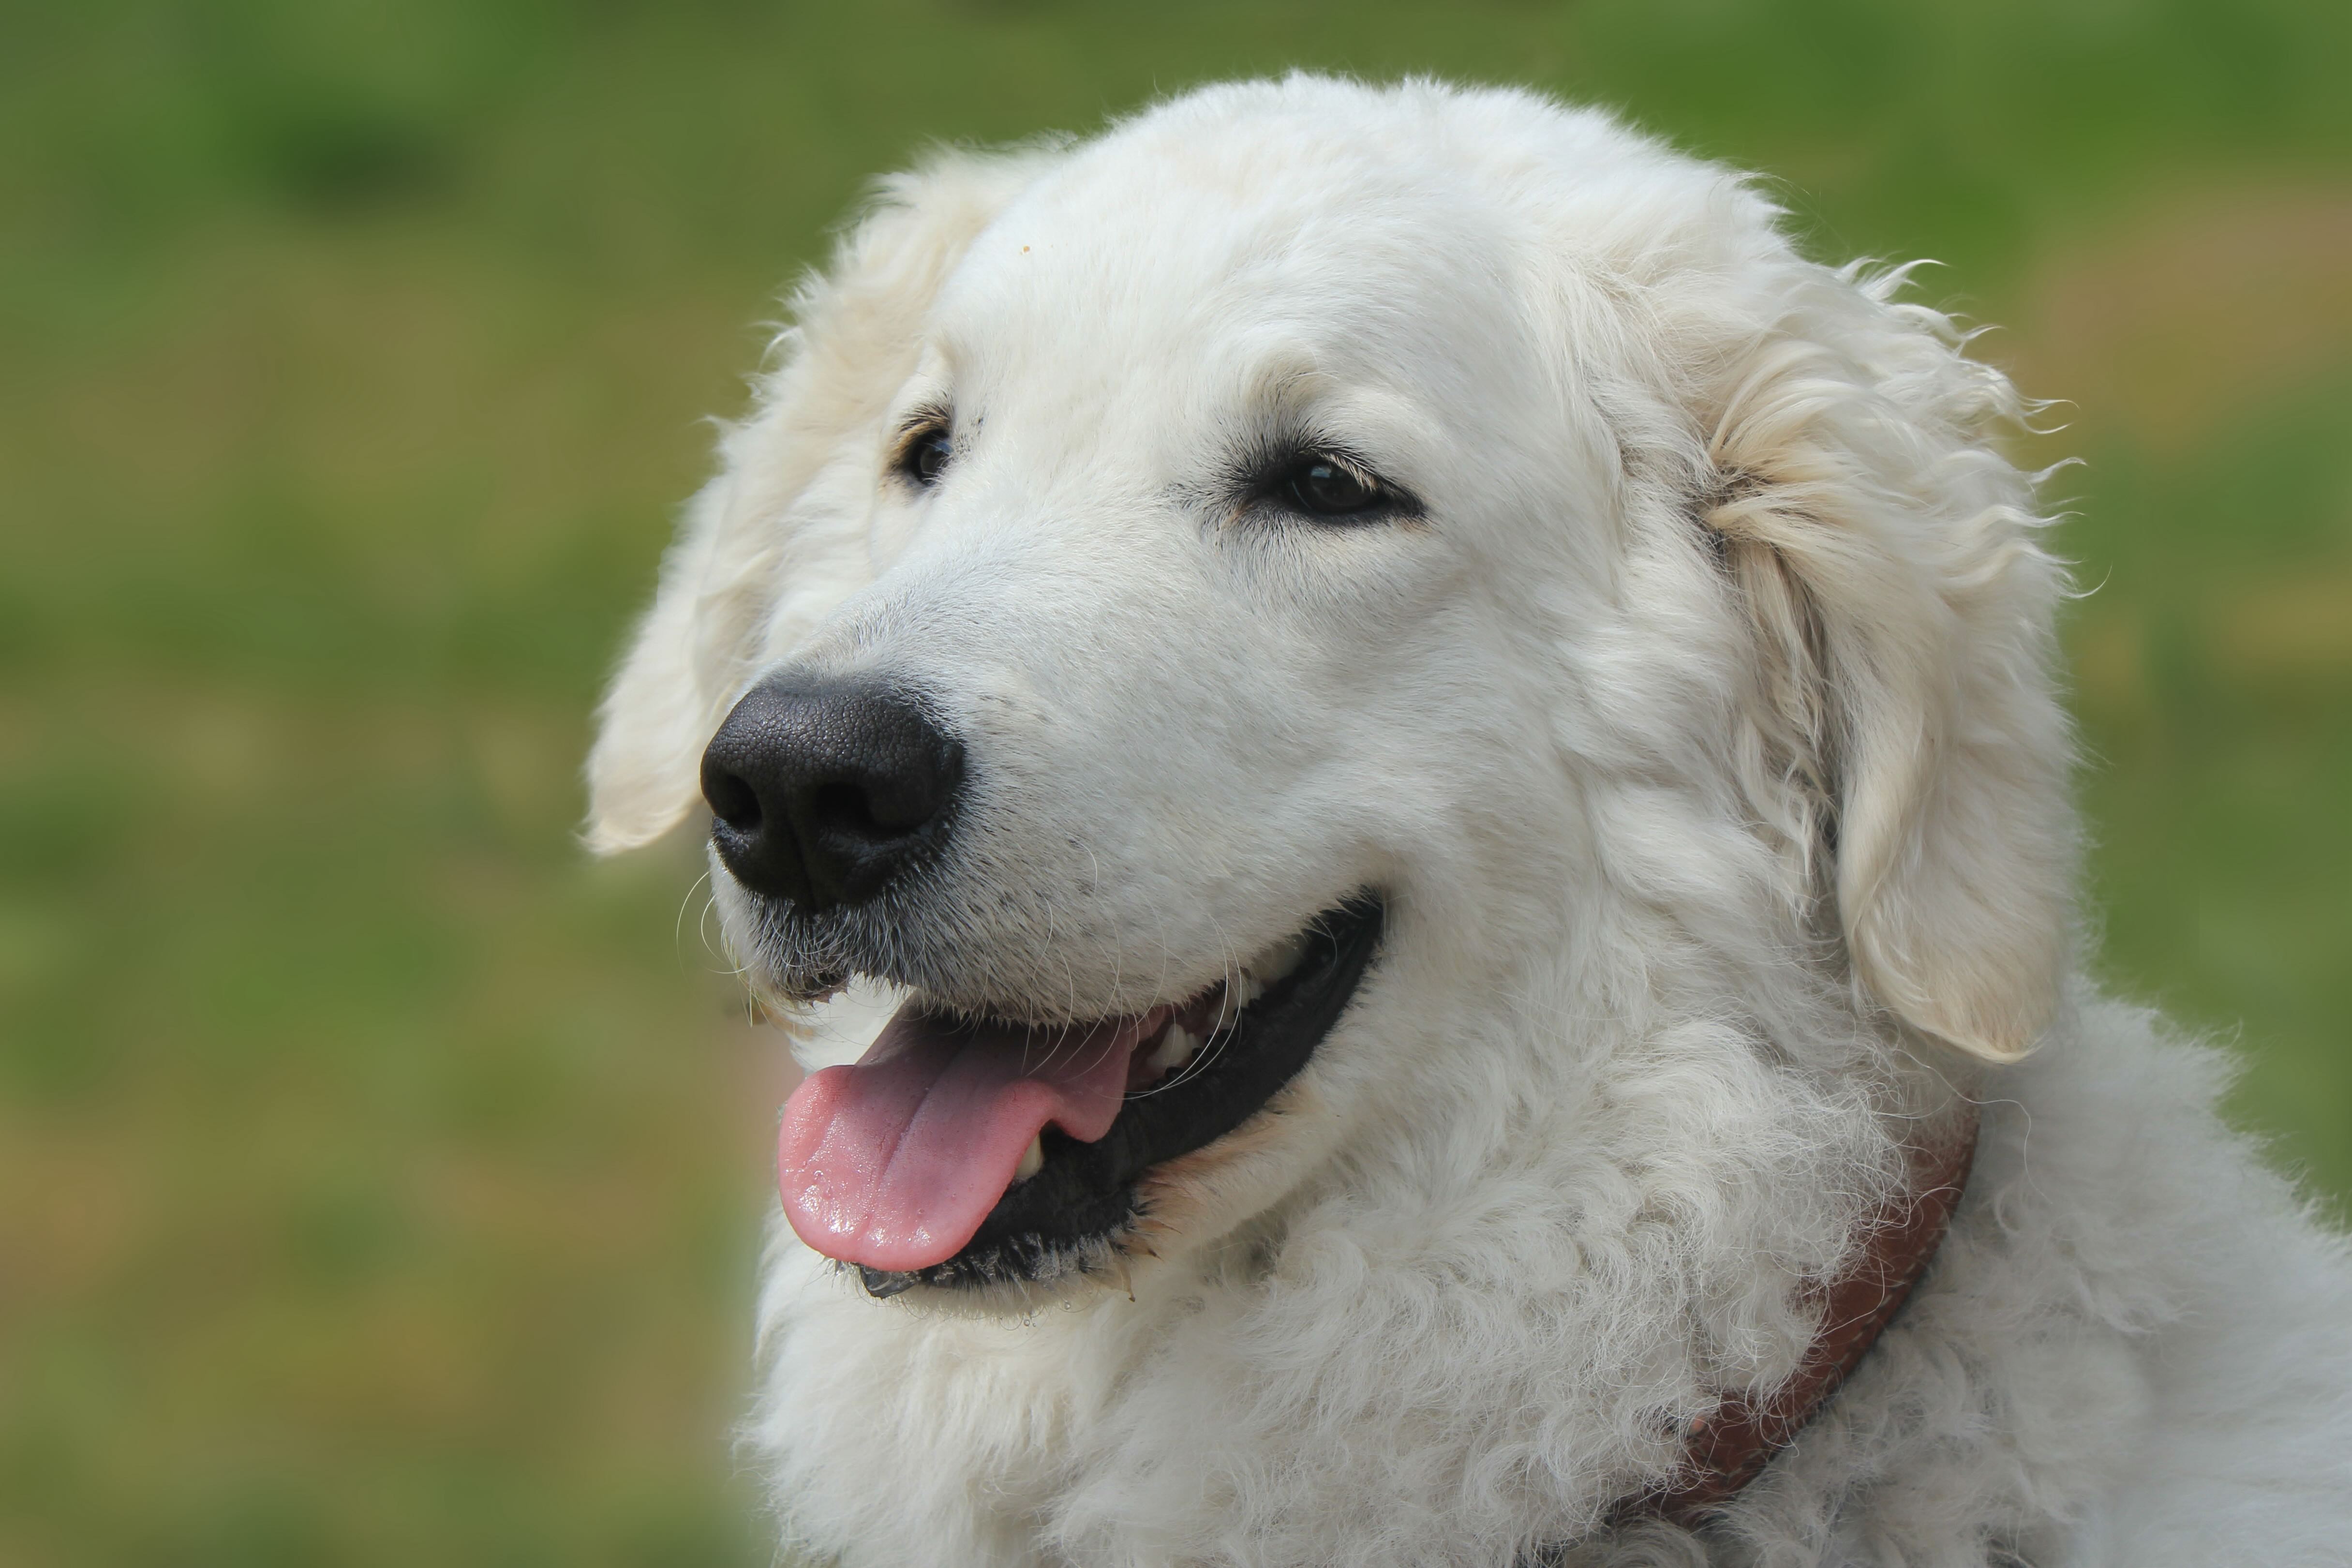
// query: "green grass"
[[378, 1180]]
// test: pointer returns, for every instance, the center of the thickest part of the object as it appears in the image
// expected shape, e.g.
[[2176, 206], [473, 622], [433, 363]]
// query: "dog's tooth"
[[1033, 1159], [1176, 1049], [1277, 962], [1240, 992]]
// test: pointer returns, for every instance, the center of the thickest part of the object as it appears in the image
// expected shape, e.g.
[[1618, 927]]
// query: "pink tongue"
[[893, 1162]]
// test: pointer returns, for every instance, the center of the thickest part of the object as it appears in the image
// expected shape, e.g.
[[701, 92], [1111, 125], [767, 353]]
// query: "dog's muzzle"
[[974, 1144]]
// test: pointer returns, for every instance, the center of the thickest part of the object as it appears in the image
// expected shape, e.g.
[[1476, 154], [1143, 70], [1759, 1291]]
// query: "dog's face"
[[1190, 525], [1183, 529], [1193, 605]]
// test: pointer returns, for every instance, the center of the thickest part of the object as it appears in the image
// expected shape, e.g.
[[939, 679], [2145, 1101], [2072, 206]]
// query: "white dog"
[[1419, 771]]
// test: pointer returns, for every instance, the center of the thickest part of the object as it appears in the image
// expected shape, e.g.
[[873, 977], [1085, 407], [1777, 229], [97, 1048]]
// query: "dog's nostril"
[[847, 809], [733, 801]]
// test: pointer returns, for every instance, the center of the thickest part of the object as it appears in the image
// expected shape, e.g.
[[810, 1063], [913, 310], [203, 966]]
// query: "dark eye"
[[1322, 486], [925, 456]]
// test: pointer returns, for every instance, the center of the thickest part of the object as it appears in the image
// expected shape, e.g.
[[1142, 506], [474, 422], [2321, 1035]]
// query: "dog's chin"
[[1206, 1074]]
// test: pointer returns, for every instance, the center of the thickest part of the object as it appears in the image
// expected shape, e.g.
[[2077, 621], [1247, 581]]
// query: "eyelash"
[[1275, 477]]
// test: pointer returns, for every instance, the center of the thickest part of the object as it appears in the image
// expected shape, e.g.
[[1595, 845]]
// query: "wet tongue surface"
[[893, 1162]]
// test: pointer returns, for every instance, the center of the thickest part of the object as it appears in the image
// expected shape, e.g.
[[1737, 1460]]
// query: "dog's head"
[[1193, 608]]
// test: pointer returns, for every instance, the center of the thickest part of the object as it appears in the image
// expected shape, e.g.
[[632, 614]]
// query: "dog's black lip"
[[1085, 1194]]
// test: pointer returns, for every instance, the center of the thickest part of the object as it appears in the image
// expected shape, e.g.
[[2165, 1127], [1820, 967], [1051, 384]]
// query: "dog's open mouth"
[[964, 1150]]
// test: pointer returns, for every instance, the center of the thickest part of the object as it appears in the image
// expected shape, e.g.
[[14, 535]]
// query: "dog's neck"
[[1726, 1451]]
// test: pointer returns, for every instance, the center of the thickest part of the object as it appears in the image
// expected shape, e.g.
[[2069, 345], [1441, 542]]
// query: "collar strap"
[[1726, 1450]]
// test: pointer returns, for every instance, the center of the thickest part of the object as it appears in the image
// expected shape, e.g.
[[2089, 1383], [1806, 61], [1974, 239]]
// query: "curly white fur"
[[1703, 739]]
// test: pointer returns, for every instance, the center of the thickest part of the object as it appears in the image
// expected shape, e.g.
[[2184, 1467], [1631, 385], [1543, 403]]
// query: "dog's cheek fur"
[[1875, 639]]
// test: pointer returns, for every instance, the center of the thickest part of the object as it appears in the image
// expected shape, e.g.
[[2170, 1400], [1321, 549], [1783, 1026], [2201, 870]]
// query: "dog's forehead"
[[1226, 254]]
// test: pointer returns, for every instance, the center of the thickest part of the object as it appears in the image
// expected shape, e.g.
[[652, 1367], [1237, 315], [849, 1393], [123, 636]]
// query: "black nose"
[[822, 790]]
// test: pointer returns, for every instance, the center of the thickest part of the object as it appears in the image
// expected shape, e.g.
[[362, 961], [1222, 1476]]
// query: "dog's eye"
[[925, 455], [1321, 486]]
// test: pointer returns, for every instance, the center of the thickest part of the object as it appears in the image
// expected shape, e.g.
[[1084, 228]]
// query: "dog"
[[1404, 784]]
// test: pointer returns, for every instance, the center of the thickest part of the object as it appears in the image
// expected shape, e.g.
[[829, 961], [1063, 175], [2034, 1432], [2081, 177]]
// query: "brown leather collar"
[[1726, 1450]]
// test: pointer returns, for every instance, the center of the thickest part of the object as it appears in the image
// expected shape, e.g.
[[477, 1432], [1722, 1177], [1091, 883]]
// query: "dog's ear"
[[1885, 553], [760, 545]]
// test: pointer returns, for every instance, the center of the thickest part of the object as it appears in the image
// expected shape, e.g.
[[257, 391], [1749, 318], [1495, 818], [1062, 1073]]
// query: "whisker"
[[678, 926]]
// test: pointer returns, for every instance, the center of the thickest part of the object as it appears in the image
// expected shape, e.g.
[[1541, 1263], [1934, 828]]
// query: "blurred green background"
[[379, 1180]]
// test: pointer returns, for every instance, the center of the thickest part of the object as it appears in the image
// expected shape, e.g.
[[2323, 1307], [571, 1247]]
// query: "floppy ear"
[[761, 545], [1903, 617]]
